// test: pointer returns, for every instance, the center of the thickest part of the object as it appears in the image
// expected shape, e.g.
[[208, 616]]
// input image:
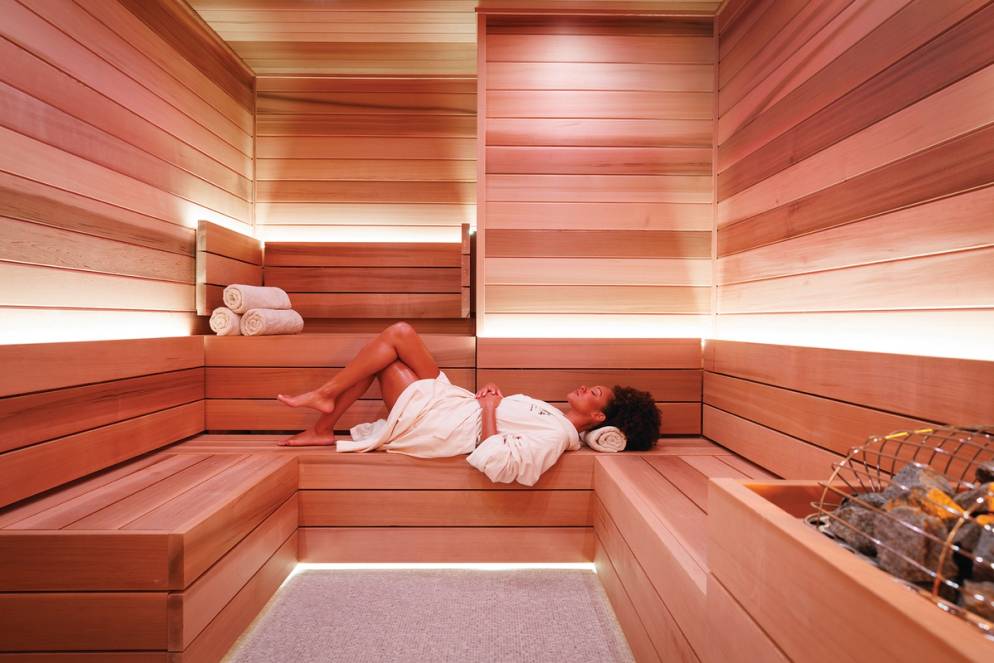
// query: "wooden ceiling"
[[357, 37]]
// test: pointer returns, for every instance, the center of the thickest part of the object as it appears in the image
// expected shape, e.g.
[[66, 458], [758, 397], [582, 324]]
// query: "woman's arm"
[[489, 405]]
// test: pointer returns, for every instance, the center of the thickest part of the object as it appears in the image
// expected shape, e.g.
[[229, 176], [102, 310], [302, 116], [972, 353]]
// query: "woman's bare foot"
[[313, 399], [309, 438]]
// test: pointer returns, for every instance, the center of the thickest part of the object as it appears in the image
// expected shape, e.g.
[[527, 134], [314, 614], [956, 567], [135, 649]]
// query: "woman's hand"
[[489, 388], [490, 400]]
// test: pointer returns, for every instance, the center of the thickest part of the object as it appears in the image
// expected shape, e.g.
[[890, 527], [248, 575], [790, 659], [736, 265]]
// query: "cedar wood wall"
[[117, 136], [835, 182], [854, 171]]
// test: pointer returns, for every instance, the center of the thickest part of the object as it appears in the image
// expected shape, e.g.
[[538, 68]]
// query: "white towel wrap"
[[608, 439], [266, 321], [225, 322], [240, 298]]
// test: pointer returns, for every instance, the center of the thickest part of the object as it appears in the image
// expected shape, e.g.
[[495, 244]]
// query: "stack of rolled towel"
[[607, 439], [252, 310]]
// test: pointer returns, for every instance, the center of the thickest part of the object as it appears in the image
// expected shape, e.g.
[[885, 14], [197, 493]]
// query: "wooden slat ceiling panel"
[[361, 37]]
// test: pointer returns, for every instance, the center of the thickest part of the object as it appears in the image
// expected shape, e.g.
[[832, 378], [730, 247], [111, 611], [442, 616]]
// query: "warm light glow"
[[408, 566], [519, 325], [959, 334], [193, 213], [27, 325], [359, 234]]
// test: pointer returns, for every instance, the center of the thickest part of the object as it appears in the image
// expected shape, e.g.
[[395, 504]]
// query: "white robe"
[[436, 419]]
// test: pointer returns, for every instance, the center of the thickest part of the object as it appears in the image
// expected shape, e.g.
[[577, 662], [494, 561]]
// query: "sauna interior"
[[776, 216]]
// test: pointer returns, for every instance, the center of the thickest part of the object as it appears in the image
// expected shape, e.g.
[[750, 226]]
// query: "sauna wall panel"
[[348, 38], [366, 159], [854, 175], [596, 188], [117, 139]]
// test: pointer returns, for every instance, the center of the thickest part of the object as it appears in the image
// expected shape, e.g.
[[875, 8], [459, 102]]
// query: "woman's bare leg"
[[398, 341], [322, 432]]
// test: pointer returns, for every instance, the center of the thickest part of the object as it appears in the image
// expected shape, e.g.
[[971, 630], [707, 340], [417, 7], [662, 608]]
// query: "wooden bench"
[[340, 279], [165, 558], [650, 522]]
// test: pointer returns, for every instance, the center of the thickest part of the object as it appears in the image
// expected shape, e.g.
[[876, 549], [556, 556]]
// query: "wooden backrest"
[[244, 375], [549, 368], [373, 279], [795, 410], [224, 257], [71, 409]]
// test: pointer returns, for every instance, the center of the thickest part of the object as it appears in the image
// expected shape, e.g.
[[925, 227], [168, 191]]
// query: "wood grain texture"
[[660, 626], [591, 118], [192, 610], [456, 351], [71, 621], [953, 55], [445, 508], [628, 618], [797, 558], [446, 544], [119, 138], [37, 367], [380, 305], [870, 115], [40, 416], [363, 254], [246, 382], [511, 243], [49, 464], [621, 484], [785, 456], [957, 389], [733, 631]]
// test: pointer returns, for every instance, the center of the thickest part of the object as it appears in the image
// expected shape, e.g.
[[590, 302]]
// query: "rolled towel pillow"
[[608, 439], [240, 298], [225, 322], [266, 321]]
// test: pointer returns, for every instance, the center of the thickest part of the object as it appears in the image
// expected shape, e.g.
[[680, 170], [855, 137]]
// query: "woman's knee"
[[401, 330]]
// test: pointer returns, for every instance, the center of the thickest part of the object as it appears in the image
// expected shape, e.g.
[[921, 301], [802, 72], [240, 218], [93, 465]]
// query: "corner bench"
[[650, 523], [161, 555]]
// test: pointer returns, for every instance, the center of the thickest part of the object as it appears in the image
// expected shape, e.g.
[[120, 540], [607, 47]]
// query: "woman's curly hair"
[[636, 414]]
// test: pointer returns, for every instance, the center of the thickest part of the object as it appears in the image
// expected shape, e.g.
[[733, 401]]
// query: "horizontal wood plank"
[[663, 384], [445, 508], [597, 299], [40, 416], [519, 243], [577, 353], [449, 350], [49, 464], [379, 305], [222, 241], [446, 544], [78, 621], [266, 382], [958, 390], [40, 366], [785, 456]]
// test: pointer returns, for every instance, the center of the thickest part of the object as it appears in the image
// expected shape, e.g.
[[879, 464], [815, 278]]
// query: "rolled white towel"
[[240, 298], [225, 322], [608, 439], [266, 321]]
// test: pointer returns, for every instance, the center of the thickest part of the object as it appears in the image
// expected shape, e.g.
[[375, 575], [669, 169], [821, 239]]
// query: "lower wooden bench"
[[650, 522], [171, 556]]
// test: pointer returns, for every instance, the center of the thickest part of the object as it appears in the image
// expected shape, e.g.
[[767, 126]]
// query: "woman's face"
[[590, 399]]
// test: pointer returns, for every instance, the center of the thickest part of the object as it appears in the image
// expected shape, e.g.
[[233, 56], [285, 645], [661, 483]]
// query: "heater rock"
[[978, 500], [978, 597], [985, 472], [854, 525], [905, 551], [876, 500], [932, 501], [917, 476], [983, 556]]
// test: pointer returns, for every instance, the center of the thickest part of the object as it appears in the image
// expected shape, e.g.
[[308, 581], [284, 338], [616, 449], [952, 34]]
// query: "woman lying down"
[[509, 439]]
